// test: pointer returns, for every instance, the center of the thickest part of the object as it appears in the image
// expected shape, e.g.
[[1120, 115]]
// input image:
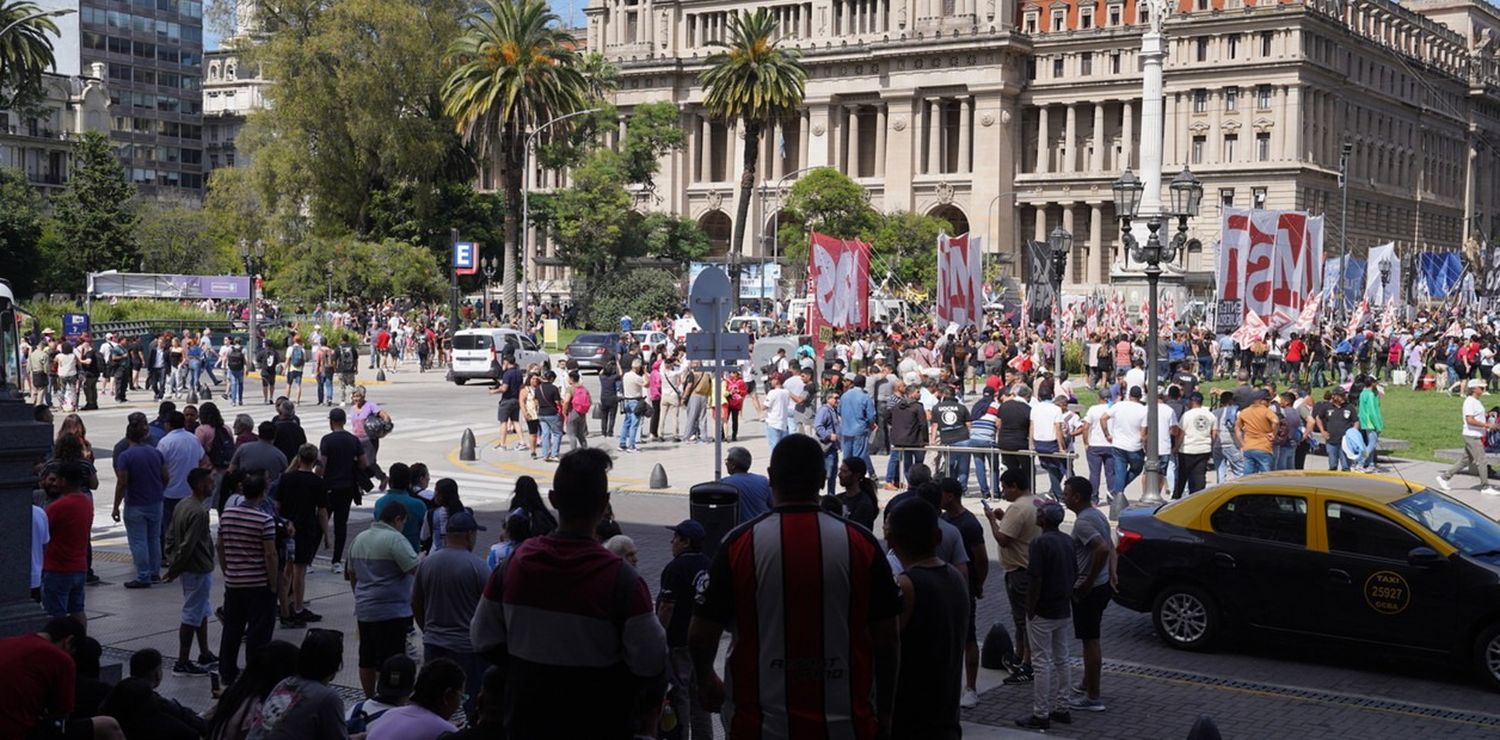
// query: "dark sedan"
[[1362, 559], [591, 351]]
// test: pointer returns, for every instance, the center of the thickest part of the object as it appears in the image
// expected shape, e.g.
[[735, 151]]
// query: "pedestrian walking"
[[1475, 425], [341, 459], [1371, 422], [1051, 573]]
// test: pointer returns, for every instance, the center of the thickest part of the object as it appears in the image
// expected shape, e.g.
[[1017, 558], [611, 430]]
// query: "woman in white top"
[[67, 375]]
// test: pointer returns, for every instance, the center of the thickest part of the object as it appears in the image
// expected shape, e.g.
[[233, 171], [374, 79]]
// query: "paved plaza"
[[1252, 688]]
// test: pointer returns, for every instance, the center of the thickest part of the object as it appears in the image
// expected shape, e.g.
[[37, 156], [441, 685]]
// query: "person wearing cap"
[[1476, 424], [393, 687], [1255, 431], [1199, 433], [444, 597], [1051, 573], [680, 580], [754, 489], [382, 566], [1332, 421], [856, 421]]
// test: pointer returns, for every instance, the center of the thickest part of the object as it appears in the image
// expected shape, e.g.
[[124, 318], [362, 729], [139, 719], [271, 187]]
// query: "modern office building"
[[1011, 117]]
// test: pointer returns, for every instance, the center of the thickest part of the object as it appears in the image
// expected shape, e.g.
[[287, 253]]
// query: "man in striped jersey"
[[247, 558], [813, 609]]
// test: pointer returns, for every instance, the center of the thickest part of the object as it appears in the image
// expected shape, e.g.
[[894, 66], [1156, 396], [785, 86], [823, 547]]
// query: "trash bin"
[[717, 507]]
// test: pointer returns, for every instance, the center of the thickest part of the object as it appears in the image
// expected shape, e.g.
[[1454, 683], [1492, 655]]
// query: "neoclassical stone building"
[[1010, 117]]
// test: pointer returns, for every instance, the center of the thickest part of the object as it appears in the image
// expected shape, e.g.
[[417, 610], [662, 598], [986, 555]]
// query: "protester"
[[977, 572], [1014, 529], [674, 602], [754, 489], [1093, 547], [1255, 431], [1475, 425], [1199, 434], [934, 627]]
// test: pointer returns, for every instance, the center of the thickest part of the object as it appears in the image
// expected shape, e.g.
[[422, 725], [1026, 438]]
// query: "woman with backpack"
[[217, 441], [445, 503], [577, 407]]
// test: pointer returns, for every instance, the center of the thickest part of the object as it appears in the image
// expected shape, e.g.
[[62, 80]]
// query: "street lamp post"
[[1343, 223], [525, 236], [488, 265], [1060, 241], [1187, 195], [253, 253]]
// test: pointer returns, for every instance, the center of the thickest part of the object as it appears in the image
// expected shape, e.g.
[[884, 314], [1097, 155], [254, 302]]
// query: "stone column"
[[705, 149], [1096, 163], [1096, 245], [965, 135], [880, 124], [1043, 165], [1070, 140], [1067, 223], [1127, 135], [852, 119], [804, 140], [1039, 233], [935, 136], [903, 153], [1291, 136]]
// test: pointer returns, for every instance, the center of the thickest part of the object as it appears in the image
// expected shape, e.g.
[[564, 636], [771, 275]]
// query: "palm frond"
[[751, 78]]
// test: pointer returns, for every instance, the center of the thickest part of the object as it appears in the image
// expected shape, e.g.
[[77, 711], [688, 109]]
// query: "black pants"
[[90, 391], [608, 412], [155, 380], [339, 501], [249, 615], [655, 417], [1017, 462], [122, 383], [1192, 472], [734, 425]]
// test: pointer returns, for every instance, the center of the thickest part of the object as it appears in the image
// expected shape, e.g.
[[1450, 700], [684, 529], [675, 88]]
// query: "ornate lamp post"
[[1061, 242], [1187, 195], [253, 253], [488, 265]]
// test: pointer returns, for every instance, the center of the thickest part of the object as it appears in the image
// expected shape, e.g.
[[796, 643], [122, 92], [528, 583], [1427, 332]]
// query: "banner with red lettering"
[[838, 272], [1270, 264], [960, 280]]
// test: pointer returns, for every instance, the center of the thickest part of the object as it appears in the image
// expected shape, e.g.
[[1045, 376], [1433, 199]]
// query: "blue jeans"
[[237, 386], [1372, 440], [1285, 458], [1257, 461], [987, 463], [774, 436], [857, 445], [1336, 459], [551, 435], [143, 532], [1101, 459], [62, 593], [208, 367], [900, 460], [831, 469], [195, 375], [1128, 466], [325, 388], [1056, 467], [629, 424], [1231, 464]]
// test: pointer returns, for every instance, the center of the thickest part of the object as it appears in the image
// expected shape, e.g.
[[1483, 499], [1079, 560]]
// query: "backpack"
[[221, 450], [998, 651], [298, 356], [236, 359], [346, 359], [581, 399]]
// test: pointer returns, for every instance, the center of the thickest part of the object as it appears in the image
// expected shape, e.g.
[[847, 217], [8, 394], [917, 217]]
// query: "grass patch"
[[1428, 420]]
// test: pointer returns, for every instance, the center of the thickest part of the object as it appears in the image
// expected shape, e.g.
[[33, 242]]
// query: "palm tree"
[[25, 50], [752, 82], [514, 69], [601, 75]]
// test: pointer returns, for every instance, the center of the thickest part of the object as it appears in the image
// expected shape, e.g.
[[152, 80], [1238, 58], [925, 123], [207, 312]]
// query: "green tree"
[[589, 219], [25, 53], [95, 215], [600, 75], [514, 68], [905, 245], [652, 131], [176, 239], [826, 201], [20, 229], [752, 83], [670, 237], [354, 112], [634, 293], [304, 273]]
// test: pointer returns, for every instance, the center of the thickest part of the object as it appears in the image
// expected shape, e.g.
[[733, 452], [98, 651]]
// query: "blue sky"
[[570, 10]]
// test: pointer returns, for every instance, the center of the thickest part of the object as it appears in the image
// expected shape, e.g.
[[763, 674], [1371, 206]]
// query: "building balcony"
[[46, 178], [44, 134]]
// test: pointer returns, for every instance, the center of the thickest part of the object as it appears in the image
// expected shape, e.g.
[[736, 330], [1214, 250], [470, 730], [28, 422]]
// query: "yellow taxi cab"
[[1361, 558]]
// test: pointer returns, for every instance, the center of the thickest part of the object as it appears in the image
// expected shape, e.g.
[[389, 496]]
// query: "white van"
[[477, 353]]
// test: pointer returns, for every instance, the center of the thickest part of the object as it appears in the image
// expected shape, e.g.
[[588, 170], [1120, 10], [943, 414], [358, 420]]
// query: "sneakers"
[[293, 622], [969, 699], [1085, 704], [1033, 722], [1022, 676], [338, 568], [188, 669], [1490, 491], [137, 584], [308, 615], [208, 660], [1443, 483]]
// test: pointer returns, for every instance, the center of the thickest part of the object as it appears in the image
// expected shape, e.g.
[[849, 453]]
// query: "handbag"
[[643, 409], [597, 412]]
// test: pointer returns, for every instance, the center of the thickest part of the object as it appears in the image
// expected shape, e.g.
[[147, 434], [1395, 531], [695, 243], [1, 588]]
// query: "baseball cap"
[[48, 330], [463, 521], [1476, 383], [1049, 514], [690, 531], [397, 679]]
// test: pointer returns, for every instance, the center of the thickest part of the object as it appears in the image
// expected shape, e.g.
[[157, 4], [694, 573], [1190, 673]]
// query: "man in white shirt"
[[1474, 428], [1167, 432], [1046, 436], [1199, 429], [1127, 425], [1135, 377], [778, 412], [1101, 452]]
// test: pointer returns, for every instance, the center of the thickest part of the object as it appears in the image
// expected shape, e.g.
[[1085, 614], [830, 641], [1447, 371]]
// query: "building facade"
[[39, 142], [152, 51], [1012, 117], [231, 89]]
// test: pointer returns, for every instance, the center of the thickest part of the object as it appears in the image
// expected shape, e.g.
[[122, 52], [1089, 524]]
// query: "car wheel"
[[460, 381], [1186, 617], [1487, 655]]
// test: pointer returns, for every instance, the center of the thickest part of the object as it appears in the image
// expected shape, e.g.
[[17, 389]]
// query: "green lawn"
[[1426, 419]]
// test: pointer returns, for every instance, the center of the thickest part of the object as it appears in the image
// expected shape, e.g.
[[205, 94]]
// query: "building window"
[[1231, 142], [1263, 146], [1200, 101], [1059, 20], [1202, 4], [1263, 97], [1231, 99], [1202, 49], [1031, 69], [1258, 198], [1198, 142], [1029, 24], [1086, 64], [1114, 63], [1142, 14], [1057, 68], [1114, 15], [1086, 18], [1265, 43], [1226, 197], [1234, 46]]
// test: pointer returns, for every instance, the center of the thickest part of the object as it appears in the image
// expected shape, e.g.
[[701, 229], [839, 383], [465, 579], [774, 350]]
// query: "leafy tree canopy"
[[21, 225], [633, 293], [95, 216]]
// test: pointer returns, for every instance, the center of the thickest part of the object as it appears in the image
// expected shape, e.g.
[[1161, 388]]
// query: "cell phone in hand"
[[986, 504]]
